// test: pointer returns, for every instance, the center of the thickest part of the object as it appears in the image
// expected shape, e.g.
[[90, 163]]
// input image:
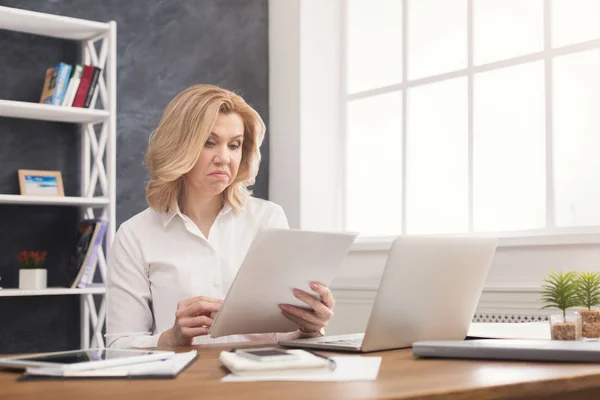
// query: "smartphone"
[[266, 354]]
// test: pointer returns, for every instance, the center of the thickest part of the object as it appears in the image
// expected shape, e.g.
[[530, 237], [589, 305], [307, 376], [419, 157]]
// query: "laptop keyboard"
[[346, 342]]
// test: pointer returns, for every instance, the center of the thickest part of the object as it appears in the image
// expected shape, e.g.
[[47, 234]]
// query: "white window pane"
[[506, 28], [576, 136], [374, 44], [509, 149], [575, 21], [374, 165], [437, 158], [437, 37]]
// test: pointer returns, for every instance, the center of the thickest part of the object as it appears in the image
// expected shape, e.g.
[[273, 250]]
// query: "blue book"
[[62, 80]]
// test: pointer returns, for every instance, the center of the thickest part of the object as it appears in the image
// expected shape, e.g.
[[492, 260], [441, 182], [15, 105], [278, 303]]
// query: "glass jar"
[[590, 324], [565, 328]]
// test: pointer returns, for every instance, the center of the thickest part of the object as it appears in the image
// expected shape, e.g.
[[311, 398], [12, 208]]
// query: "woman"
[[171, 265]]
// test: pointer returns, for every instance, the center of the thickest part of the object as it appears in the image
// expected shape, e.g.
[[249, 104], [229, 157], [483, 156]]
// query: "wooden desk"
[[400, 377]]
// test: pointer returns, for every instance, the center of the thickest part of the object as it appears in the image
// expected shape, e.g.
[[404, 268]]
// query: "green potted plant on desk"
[[588, 296], [560, 291], [32, 274]]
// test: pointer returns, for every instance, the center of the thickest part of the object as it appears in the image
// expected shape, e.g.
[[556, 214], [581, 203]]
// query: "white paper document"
[[277, 262], [349, 368], [518, 330]]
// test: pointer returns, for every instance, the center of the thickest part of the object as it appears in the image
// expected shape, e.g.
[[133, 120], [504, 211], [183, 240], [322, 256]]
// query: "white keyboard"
[[345, 342]]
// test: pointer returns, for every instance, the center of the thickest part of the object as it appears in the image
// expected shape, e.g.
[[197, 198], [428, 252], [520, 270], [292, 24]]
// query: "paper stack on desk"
[[311, 368], [161, 369], [304, 361]]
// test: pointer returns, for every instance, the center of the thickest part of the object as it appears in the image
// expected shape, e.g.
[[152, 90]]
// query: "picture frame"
[[40, 183]]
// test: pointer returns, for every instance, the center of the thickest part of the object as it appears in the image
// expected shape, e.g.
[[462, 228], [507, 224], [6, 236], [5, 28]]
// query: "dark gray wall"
[[163, 47]]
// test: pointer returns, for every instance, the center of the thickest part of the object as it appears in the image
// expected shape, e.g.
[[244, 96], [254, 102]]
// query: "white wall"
[[284, 107], [305, 52], [304, 87]]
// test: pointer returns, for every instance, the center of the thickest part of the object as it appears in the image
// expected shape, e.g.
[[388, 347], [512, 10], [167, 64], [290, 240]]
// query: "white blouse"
[[158, 259]]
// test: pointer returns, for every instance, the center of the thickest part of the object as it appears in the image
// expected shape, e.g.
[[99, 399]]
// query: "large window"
[[472, 116]]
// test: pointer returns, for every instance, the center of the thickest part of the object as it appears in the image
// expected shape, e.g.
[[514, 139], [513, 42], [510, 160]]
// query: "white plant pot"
[[32, 278]]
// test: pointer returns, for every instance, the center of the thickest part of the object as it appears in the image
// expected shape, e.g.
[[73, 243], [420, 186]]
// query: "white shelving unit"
[[46, 112], [54, 201], [50, 291], [98, 151]]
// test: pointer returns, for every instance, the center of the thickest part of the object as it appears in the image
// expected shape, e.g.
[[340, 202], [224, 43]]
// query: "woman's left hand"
[[322, 309]]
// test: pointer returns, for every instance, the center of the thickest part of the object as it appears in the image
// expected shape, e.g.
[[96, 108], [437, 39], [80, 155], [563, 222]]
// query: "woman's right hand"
[[193, 318]]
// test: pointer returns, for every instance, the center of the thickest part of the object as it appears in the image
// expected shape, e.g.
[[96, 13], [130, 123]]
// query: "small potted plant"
[[588, 296], [32, 274], [560, 291]]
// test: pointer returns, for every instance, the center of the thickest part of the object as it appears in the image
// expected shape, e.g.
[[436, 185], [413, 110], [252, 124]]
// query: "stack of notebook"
[[161, 369], [306, 366], [303, 363]]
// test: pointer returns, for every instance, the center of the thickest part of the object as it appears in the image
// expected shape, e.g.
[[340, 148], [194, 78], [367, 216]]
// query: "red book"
[[93, 87], [84, 85]]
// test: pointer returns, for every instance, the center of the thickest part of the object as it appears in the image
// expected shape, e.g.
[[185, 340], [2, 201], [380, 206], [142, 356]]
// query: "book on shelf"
[[71, 86], [82, 265], [91, 261], [49, 86], [93, 87], [55, 84]]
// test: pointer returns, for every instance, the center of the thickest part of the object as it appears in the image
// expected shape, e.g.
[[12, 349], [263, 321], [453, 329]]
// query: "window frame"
[[551, 234]]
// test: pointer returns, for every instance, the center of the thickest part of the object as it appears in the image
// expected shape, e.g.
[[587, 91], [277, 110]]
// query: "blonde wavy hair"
[[177, 142]]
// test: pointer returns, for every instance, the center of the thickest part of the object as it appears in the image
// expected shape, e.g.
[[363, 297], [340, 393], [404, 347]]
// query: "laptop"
[[429, 290], [510, 349]]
